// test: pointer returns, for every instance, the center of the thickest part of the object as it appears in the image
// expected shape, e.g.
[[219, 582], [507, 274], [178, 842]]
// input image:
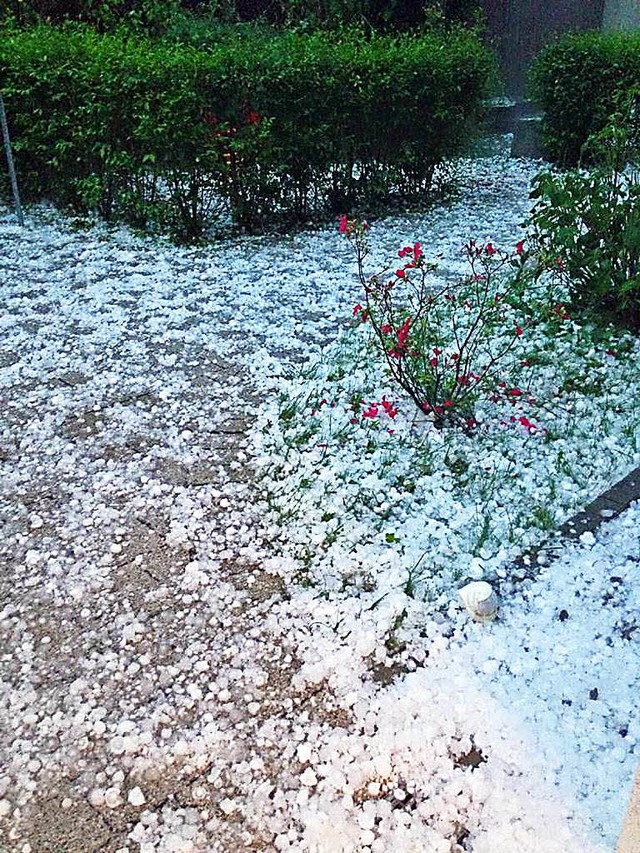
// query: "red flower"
[[386, 328], [417, 252], [515, 392], [389, 408], [252, 117], [403, 334], [433, 361], [371, 412], [520, 247], [518, 330], [489, 249], [357, 309], [343, 227], [400, 273], [560, 264]]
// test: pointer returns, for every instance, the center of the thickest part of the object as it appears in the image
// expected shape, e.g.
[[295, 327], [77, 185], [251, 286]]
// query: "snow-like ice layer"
[[135, 665]]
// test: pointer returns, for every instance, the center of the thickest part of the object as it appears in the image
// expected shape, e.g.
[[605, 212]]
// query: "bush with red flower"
[[445, 344]]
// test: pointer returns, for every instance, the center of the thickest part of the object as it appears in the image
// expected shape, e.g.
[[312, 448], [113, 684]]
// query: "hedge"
[[172, 134], [579, 81]]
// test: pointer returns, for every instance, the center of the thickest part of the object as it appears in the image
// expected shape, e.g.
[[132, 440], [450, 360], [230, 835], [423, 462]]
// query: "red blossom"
[[389, 408], [371, 411], [403, 334], [357, 309], [489, 249], [344, 222], [386, 328], [520, 247], [400, 273], [518, 330]]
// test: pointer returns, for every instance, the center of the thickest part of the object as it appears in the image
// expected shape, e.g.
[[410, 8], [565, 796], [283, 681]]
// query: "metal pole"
[[12, 168]]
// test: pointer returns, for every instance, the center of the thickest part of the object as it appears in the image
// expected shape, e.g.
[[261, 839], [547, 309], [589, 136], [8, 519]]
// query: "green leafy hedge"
[[579, 81], [172, 134]]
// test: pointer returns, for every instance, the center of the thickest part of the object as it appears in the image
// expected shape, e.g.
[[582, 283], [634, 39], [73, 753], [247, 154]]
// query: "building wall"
[[621, 15]]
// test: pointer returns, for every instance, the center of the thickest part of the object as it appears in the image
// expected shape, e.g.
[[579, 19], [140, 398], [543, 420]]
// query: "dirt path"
[[146, 682]]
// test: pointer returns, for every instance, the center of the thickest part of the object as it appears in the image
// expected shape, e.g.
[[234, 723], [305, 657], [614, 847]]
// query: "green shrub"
[[587, 224], [291, 122], [578, 81], [156, 17], [379, 15]]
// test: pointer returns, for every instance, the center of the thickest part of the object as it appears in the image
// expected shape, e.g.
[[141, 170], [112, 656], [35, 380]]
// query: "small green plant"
[[586, 224]]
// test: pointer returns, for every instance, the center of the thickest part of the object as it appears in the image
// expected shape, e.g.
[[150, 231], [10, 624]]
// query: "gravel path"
[[141, 677]]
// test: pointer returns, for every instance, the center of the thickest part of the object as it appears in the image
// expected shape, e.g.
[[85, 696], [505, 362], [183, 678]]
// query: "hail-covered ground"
[[229, 616]]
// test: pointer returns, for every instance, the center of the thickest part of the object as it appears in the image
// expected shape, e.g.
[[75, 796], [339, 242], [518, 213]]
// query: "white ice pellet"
[[308, 778], [304, 753], [96, 797], [116, 746], [228, 806], [136, 797], [112, 797]]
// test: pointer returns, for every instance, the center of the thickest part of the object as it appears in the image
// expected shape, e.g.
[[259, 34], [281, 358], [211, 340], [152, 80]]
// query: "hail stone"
[[480, 600]]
